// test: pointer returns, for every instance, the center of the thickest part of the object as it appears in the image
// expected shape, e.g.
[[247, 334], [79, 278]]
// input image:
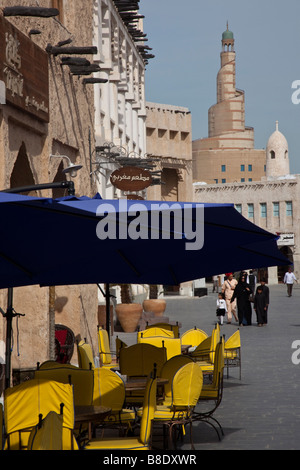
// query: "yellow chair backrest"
[[48, 434], [50, 364], [170, 368], [138, 359], [82, 381], [194, 337], [155, 331], [24, 403], [1, 426], [203, 347], [219, 363], [187, 385], [172, 345], [215, 338], [166, 326], [119, 344], [149, 407], [85, 355], [104, 346], [109, 389], [234, 341]]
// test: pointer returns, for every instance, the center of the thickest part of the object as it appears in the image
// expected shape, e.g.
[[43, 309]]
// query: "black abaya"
[[242, 293]]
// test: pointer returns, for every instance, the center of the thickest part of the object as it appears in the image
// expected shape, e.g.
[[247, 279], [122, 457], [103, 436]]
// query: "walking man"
[[289, 279]]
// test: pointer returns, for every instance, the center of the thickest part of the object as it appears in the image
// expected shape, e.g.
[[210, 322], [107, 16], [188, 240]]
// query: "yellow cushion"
[[123, 416], [129, 443], [230, 354]]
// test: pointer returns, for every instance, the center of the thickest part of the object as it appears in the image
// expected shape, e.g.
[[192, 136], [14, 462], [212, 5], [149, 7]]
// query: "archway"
[[288, 253], [22, 174]]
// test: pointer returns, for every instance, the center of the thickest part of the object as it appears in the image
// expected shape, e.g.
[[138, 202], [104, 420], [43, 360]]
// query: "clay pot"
[[129, 316], [157, 306]]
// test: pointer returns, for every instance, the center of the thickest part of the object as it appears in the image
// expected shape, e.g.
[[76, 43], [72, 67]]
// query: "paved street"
[[262, 411]]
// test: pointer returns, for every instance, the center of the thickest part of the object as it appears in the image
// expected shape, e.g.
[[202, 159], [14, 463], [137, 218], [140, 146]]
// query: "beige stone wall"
[[207, 165], [278, 190], [71, 120], [169, 139]]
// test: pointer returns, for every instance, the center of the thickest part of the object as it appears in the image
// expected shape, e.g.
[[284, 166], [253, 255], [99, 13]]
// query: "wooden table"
[[138, 384], [91, 415], [185, 348]]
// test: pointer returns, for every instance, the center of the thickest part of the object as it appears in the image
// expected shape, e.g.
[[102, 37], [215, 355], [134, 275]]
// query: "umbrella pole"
[[9, 316], [107, 297]]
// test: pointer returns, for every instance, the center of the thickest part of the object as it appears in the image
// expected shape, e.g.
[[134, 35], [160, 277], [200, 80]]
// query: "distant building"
[[272, 203], [169, 139], [228, 153]]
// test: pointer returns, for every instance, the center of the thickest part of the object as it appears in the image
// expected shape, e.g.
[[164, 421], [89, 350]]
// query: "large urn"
[[156, 306], [129, 316]]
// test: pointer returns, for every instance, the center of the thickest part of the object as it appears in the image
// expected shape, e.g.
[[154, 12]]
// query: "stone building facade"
[[271, 203], [75, 115], [169, 139], [120, 113], [228, 153], [59, 121]]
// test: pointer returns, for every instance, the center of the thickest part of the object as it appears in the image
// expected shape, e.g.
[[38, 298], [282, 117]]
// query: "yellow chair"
[[85, 355], [172, 345], [194, 337], [232, 353], [143, 442], [109, 390], [166, 326], [105, 354], [82, 380], [204, 354], [48, 433], [155, 331], [1, 426], [137, 360], [119, 344], [168, 371], [49, 364], [213, 391], [186, 388], [24, 403]]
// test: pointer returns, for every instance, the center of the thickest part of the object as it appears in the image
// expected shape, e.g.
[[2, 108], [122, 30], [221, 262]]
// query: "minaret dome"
[[227, 40], [277, 155]]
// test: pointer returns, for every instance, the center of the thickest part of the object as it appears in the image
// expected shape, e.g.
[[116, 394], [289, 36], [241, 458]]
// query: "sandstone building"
[[271, 203], [120, 113], [169, 137], [65, 119], [228, 153]]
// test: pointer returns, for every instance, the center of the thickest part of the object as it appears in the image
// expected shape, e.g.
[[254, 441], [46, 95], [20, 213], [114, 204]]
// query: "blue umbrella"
[[85, 240]]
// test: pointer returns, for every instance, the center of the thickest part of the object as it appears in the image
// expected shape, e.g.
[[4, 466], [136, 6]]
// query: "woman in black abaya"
[[241, 294]]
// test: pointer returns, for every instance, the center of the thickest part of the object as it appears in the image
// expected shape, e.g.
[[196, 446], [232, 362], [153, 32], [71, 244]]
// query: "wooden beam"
[[84, 70], [94, 80], [30, 11], [75, 61], [71, 50]]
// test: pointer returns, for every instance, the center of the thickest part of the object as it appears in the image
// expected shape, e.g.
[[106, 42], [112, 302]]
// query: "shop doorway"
[[288, 253]]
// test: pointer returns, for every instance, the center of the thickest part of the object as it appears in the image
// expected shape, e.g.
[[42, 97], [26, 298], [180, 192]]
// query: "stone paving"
[[262, 410]]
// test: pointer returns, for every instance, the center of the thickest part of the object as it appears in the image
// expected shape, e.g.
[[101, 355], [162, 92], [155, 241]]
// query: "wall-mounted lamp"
[[71, 168]]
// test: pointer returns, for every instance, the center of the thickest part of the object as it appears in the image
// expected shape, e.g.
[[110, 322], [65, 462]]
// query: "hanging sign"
[[24, 71], [286, 239], [131, 178]]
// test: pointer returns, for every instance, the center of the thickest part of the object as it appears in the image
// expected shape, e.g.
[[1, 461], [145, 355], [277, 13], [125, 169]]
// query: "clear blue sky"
[[185, 37]]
